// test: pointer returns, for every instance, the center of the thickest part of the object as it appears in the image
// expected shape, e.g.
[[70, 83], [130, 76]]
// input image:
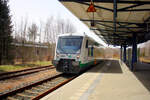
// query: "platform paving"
[[110, 80]]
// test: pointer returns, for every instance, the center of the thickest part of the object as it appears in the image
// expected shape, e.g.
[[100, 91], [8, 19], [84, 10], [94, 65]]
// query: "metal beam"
[[112, 38], [106, 30], [105, 25], [113, 35], [120, 34], [125, 26], [108, 21], [121, 26], [110, 1], [147, 20], [100, 7], [115, 14], [132, 6], [130, 27], [134, 10]]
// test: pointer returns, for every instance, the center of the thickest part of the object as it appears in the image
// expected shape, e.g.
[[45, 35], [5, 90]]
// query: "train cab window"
[[86, 44]]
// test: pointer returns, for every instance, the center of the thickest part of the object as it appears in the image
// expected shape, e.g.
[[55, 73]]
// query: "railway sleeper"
[[38, 89], [43, 87], [24, 95], [19, 97], [11, 98], [30, 91]]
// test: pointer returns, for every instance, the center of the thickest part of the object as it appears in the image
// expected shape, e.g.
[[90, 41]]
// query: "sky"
[[41, 10]]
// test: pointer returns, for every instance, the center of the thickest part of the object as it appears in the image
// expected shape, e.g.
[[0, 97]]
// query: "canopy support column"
[[115, 14], [121, 52], [134, 51], [124, 54]]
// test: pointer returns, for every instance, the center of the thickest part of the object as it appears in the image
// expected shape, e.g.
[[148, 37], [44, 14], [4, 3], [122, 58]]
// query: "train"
[[74, 53]]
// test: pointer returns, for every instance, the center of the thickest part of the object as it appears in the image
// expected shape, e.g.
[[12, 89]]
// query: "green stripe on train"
[[86, 64]]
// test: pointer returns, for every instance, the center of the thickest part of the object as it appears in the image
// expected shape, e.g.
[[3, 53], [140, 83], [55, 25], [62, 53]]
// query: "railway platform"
[[110, 80]]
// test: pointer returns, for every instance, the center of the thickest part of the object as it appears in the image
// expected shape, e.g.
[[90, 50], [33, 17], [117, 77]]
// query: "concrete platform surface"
[[110, 80]]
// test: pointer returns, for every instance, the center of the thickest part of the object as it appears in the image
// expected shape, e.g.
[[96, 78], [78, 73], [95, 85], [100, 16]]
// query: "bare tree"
[[32, 32], [65, 26], [40, 31], [21, 30], [61, 25], [69, 28], [49, 33]]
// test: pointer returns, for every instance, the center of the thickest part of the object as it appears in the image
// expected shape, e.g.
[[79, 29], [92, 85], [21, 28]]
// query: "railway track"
[[9, 75], [39, 89]]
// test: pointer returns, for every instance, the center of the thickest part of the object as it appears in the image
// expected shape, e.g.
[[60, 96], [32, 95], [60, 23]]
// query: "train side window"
[[89, 52], [92, 48], [86, 44]]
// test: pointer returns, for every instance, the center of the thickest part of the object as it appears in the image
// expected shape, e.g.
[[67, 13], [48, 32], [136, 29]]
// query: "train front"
[[67, 55]]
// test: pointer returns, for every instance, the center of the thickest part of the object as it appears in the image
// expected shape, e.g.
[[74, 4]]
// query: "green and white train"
[[74, 53]]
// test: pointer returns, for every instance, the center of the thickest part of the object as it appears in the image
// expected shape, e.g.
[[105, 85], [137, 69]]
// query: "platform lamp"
[[92, 9]]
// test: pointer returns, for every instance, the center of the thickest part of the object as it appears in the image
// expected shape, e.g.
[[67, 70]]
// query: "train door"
[[90, 51], [86, 51]]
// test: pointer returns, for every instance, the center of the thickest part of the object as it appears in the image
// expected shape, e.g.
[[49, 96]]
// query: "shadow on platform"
[[109, 66], [141, 66], [142, 72]]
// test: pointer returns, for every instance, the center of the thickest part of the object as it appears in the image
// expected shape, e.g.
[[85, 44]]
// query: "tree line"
[[5, 31], [45, 32], [24, 32]]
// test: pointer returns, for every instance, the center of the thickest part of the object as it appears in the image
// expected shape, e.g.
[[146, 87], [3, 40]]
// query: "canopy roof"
[[115, 21]]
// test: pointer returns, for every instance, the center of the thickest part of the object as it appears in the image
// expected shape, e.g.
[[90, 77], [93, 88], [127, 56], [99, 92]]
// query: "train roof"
[[80, 34], [72, 34]]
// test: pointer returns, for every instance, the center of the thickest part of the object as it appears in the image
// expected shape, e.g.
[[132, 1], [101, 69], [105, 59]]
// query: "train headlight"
[[78, 56], [57, 55], [75, 63]]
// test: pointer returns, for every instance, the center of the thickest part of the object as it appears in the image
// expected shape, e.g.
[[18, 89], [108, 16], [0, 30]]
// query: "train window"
[[69, 44], [86, 44], [92, 51], [89, 52]]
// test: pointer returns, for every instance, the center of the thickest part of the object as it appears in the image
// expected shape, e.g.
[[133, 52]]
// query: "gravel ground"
[[30, 93], [11, 84]]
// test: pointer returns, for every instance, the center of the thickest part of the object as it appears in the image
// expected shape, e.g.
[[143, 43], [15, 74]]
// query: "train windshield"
[[69, 44]]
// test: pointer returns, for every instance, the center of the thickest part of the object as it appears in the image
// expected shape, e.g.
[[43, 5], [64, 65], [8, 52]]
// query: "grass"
[[43, 63], [6, 68]]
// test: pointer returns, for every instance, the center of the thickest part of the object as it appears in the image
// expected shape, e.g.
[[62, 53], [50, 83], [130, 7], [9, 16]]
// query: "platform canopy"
[[117, 22]]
